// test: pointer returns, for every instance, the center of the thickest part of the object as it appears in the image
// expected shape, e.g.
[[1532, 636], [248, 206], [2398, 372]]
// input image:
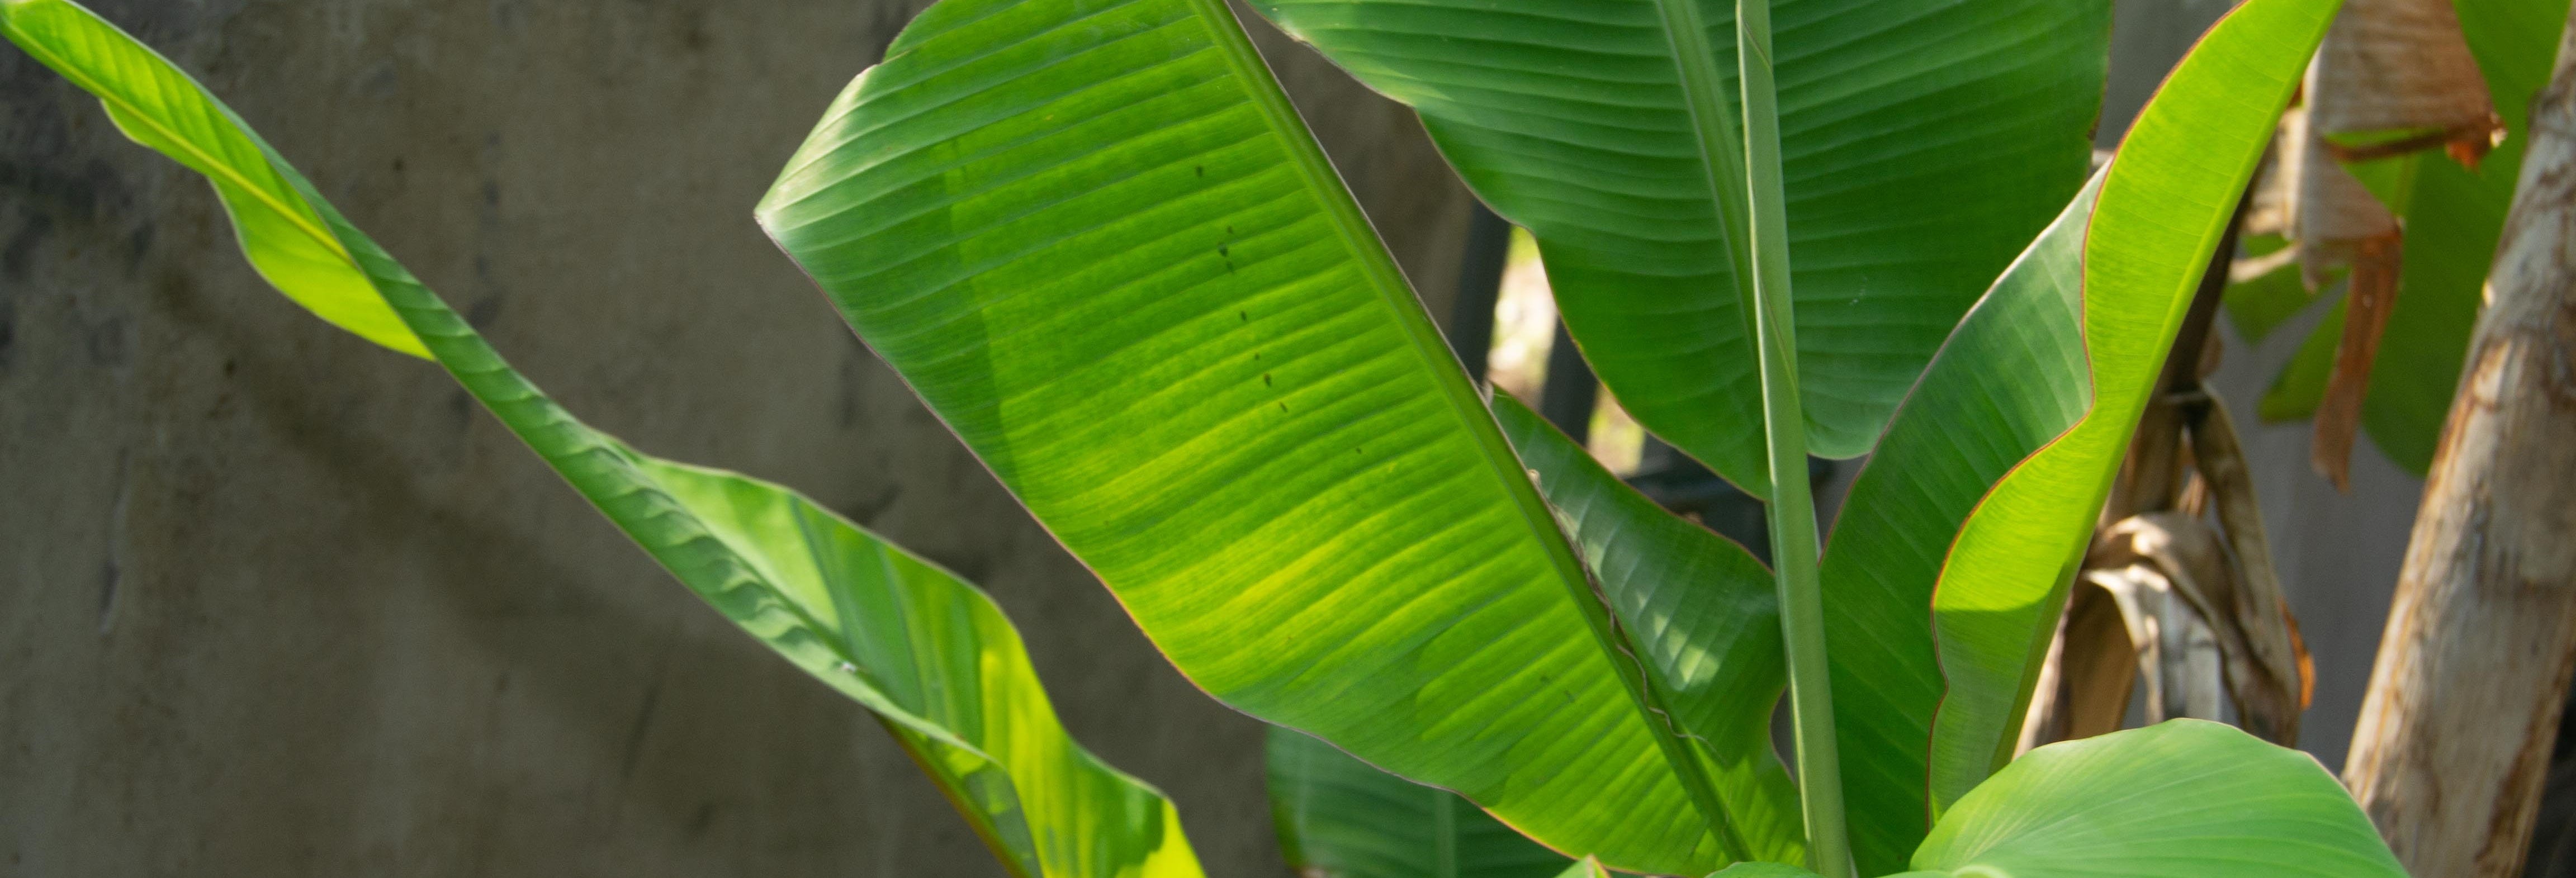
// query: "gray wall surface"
[[276, 602]]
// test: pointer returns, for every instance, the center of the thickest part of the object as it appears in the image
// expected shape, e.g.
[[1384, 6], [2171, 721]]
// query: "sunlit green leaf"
[[930, 655], [285, 239], [1984, 491], [2167, 198], [1097, 240], [2011, 379], [2184, 799], [1924, 142]]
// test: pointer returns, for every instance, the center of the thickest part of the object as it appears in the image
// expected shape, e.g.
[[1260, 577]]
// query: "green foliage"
[[2452, 218], [930, 655], [1699, 611], [1136, 289], [2010, 380], [1098, 241], [2165, 202], [2184, 798], [1923, 144], [1338, 817]]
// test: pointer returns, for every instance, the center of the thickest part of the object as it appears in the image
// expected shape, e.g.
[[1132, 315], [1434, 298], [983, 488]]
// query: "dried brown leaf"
[[2369, 298]]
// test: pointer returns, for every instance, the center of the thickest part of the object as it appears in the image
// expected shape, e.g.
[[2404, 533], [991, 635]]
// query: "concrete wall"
[[275, 602]]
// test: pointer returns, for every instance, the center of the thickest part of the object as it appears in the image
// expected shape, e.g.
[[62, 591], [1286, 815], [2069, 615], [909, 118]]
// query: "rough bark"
[[2464, 702]]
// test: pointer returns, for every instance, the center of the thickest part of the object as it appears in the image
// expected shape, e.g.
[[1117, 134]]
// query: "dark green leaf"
[[1340, 818], [1923, 143], [1700, 610], [1983, 493], [2167, 198]]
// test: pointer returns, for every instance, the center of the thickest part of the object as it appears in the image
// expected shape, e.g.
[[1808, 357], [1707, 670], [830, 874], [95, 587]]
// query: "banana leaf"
[[930, 655], [1981, 497], [1098, 241], [1923, 143]]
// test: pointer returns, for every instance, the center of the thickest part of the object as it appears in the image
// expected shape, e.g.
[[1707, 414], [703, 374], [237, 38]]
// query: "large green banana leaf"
[[1982, 495], [1923, 143], [2166, 199], [1699, 609], [2452, 217], [1340, 818], [2009, 380], [1098, 241], [2183, 799], [929, 654]]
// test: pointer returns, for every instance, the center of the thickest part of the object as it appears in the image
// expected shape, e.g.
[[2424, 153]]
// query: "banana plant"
[[2396, 80], [1100, 243]]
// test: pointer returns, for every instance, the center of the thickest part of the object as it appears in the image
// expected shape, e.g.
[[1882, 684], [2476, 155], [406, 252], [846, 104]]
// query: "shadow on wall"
[[284, 604]]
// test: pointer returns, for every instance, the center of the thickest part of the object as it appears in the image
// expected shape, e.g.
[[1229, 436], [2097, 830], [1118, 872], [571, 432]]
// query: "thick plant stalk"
[[1784, 424], [2465, 699]]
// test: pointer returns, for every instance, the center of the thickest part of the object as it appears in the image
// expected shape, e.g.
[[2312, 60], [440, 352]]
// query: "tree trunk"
[[2465, 699]]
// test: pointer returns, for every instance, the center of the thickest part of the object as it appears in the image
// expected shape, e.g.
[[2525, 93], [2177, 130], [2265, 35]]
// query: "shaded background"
[[278, 602]]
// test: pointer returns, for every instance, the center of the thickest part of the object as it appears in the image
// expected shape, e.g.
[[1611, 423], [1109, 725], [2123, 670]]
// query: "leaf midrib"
[[301, 220], [1431, 351], [1384, 278]]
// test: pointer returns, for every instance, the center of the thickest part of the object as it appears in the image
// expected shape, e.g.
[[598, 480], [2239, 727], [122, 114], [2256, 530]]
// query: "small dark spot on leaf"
[[1221, 251], [1247, 318], [1202, 169], [1283, 406], [1265, 379]]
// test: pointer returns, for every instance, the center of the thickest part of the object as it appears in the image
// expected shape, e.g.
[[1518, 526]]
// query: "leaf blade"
[[1133, 288], [1701, 613], [2007, 382], [2184, 799], [1571, 118], [1980, 498], [1340, 817], [2166, 200], [159, 107], [930, 655]]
